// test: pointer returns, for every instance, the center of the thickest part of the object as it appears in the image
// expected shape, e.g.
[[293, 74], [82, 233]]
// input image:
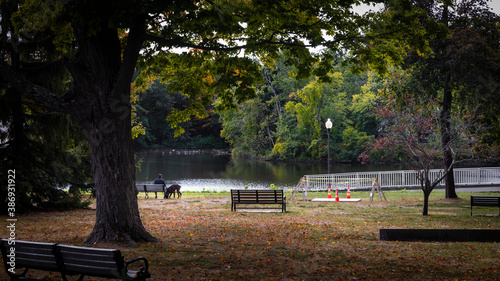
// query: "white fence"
[[400, 179]]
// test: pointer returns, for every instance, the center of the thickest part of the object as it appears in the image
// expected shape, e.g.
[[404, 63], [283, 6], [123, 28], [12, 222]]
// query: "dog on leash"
[[172, 189]]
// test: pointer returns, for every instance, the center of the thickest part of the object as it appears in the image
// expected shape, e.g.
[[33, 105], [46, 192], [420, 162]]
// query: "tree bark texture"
[[425, 184], [445, 141], [117, 212], [425, 210]]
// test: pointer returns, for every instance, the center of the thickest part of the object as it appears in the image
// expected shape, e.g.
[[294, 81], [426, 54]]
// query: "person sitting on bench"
[[159, 180]]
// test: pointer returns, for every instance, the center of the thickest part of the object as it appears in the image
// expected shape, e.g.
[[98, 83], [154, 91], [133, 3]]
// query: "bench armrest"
[[142, 270], [14, 276]]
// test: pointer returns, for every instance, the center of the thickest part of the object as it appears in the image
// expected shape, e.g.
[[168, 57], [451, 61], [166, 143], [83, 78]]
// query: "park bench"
[[151, 188], [21, 256], [245, 196], [485, 201]]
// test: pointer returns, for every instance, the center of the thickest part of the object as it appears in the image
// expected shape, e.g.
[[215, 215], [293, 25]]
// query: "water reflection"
[[199, 170]]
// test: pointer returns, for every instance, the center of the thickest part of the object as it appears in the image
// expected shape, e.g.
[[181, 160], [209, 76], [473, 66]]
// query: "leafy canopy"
[[204, 49]]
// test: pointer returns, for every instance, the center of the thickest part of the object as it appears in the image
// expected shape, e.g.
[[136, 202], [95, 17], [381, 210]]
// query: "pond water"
[[217, 170]]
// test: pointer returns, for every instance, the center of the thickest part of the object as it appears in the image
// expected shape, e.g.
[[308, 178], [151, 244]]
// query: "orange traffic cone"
[[348, 192], [329, 192], [337, 199]]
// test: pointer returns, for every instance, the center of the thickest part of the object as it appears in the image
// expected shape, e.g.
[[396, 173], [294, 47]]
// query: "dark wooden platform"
[[441, 235]]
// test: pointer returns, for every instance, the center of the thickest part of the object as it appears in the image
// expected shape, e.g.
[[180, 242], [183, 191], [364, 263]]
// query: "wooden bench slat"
[[29, 252], [38, 248], [90, 262], [253, 196], [37, 263], [106, 272], [107, 263], [150, 188], [484, 201], [32, 245], [99, 254], [77, 249], [478, 202], [257, 197], [260, 191], [40, 256], [90, 257], [153, 187], [264, 201], [36, 256]]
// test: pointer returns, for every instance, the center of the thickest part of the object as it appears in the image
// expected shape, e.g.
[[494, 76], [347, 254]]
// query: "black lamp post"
[[328, 125]]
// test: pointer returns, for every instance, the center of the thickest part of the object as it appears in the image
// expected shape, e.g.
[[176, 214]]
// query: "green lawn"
[[201, 239]]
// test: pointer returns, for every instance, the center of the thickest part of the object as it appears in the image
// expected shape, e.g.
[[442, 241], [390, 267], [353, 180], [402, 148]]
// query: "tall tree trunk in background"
[[18, 149], [19, 142], [445, 140]]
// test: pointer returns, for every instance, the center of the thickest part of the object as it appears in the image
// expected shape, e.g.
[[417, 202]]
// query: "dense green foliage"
[[47, 153], [154, 106], [46, 150], [463, 71], [286, 119]]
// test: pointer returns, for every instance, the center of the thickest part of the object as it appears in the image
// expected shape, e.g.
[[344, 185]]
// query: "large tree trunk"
[[117, 212], [104, 79], [18, 152], [18, 144], [445, 141]]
